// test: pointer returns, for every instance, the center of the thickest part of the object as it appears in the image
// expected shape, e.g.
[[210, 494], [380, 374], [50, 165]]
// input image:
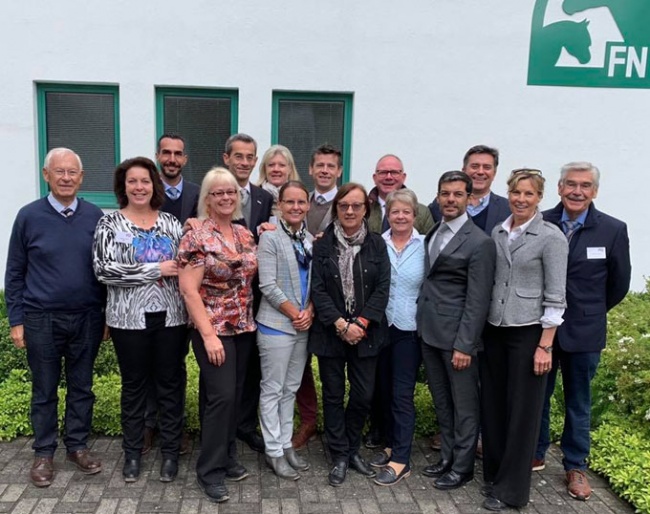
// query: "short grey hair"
[[580, 166], [54, 152], [403, 195]]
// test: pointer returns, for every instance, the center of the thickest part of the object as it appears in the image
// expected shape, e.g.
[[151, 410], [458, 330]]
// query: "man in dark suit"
[[598, 278], [452, 308], [485, 208], [240, 157]]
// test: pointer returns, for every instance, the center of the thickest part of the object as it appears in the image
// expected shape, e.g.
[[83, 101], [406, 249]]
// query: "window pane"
[[305, 125], [85, 123], [204, 123]]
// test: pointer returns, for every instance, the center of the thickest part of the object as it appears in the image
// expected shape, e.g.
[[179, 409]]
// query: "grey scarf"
[[349, 247]]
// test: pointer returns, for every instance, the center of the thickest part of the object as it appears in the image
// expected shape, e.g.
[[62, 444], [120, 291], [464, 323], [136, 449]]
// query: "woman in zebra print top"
[[134, 254]]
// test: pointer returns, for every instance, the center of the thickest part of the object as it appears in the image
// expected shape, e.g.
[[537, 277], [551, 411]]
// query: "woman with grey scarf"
[[350, 285]]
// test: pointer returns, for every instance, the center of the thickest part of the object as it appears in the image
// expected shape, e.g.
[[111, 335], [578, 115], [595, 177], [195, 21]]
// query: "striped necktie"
[[570, 227], [67, 212], [173, 193]]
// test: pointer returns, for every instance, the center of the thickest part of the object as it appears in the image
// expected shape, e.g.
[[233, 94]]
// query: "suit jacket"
[[279, 279], [530, 274], [326, 219], [261, 207], [455, 294], [596, 284], [498, 211], [189, 201]]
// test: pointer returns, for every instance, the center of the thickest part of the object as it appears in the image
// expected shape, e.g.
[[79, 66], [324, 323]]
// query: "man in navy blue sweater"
[[55, 309]]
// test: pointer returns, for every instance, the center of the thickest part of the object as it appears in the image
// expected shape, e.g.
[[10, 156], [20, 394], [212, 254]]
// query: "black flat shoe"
[[487, 489], [437, 470], [380, 459], [253, 440], [236, 473], [131, 470], [338, 473], [452, 480], [388, 476], [373, 440], [168, 470], [494, 504], [361, 466], [217, 493]]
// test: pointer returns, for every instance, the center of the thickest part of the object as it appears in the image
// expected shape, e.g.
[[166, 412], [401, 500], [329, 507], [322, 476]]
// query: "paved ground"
[[262, 492]]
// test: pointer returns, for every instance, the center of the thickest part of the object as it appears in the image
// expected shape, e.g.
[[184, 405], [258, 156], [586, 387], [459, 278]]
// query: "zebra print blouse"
[[125, 258]]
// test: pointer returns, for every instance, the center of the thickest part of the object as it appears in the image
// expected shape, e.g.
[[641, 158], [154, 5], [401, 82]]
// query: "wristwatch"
[[547, 349]]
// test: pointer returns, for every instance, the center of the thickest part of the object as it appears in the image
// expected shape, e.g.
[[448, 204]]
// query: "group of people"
[[491, 294]]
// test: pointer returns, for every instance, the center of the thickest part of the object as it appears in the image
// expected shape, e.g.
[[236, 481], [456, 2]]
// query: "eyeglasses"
[[220, 194], [70, 173], [573, 185], [527, 171], [385, 173], [356, 207]]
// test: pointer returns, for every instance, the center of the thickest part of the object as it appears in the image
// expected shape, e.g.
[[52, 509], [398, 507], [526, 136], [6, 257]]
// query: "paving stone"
[[13, 492], [128, 506]]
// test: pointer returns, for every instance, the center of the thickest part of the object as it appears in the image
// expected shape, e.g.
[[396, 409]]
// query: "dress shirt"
[[178, 186], [454, 226], [59, 207], [483, 203], [329, 195], [580, 220]]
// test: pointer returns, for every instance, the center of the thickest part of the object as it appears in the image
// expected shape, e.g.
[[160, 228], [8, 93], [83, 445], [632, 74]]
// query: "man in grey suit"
[[452, 308]]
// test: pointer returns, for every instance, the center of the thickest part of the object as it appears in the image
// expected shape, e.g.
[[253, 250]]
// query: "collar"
[[247, 187], [507, 224], [329, 195], [456, 224], [178, 186], [59, 207], [580, 219]]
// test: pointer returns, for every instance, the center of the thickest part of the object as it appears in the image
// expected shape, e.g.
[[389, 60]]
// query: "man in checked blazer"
[[452, 309]]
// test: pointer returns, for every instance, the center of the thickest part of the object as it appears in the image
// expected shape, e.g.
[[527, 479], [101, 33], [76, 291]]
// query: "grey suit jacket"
[[279, 279], [455, 294], [530, 274]]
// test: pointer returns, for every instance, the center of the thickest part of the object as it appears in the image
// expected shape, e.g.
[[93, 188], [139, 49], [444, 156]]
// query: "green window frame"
[[340, 105], [99, 154], [180, 110]]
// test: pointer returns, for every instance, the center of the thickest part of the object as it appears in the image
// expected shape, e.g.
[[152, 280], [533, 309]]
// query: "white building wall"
[[430, 78]]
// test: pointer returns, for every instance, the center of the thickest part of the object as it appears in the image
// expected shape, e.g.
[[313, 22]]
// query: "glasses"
[[385, 173], [70, 173], [356, 207], [527, 171], [573, 185], [221, 194]]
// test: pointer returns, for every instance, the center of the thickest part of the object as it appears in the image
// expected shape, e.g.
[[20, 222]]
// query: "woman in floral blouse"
[[217, 263]]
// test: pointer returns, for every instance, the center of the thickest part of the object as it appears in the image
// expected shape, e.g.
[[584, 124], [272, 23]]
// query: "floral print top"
[[226, 289]]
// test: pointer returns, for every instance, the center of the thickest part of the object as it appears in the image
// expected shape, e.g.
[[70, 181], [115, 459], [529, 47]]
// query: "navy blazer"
[[594, 285], [498, 211], [261, 207]]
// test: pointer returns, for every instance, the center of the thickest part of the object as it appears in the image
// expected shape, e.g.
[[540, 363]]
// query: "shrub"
[[15, 396]]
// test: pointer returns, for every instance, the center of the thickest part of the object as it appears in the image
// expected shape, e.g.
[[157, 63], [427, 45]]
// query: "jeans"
[[578, 369], [75, 338]]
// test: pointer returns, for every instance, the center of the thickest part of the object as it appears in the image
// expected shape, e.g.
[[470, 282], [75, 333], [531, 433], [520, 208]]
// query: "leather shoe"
[[42, 472], [253, 440], [380, 459], [148, 440], [578, 485], [373, 440], [236, 473], [217, 493], [436, 441], [186, 443], [388, 476], [438, 469], [295, 460], [168, 470], [538, 465], [494, 504], [304, 434], [338, 473], [452, 480], [85, 461], [131, 470], [361, 466], [281, 467], [487, 489]]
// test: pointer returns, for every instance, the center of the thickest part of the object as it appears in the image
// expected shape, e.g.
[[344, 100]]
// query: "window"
[[83, 118], [205, 118], [304, 121]]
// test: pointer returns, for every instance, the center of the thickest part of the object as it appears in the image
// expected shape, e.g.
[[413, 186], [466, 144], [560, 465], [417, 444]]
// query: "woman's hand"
[[191, 224], [169, 268], [214, 350], [263, 227], [303, 321], [354, 335], [542, 362]]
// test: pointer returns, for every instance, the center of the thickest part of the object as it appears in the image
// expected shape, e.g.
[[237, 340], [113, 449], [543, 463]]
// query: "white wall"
[[430, 79]]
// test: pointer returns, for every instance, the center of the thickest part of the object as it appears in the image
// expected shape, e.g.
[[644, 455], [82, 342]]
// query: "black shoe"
[[437, 470], [387, 476], [236, 473], [373, 440], [253, 440], [380, 459], [168, 470], [487, 489], [338, 473], [452, 480], [494, 504], [217, 493], [361, 466], [131, 470]]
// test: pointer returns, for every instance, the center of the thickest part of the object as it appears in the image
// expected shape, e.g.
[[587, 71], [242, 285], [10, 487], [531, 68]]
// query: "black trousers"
[[343, 424], [221, 390], [154, 354], [249, 407], [512, 397]]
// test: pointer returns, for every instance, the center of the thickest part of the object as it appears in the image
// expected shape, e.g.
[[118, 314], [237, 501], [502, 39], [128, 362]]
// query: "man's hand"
[[460, 360], [107, 333], [18, 336]]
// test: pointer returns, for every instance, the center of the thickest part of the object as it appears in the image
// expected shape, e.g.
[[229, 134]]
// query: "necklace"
[[401, 247]]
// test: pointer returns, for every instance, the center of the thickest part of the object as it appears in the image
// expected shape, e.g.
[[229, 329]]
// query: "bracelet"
[[343, 331], [359, 324]]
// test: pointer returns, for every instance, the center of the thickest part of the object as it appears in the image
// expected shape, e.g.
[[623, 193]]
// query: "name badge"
[[124, 237], [596, 252]]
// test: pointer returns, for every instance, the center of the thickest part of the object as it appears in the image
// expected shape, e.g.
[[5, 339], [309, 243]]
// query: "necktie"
[[320, 200], [173, 193], [570, 227], [246, 205], [67, 212], [436, 247], [245, 196]]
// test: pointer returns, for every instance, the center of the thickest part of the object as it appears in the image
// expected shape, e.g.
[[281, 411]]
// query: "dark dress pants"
[[75, 338], [381, 426], [306, 398], [221, 388], [512, 397], [156, 354], [343, 425]]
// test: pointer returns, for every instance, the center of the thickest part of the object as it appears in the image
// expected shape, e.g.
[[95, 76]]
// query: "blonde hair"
[[536, 180], [221, 176], [272, 152]]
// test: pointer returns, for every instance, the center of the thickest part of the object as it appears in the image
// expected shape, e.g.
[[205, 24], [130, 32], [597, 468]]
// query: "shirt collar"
[[455, 224], [580, 219], [329, 195], [59, 207], [507, 224], [178, 186]]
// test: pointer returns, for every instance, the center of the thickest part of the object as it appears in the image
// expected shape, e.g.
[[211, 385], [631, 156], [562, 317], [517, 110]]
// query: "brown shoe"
[[436, 442], [42, 471], [148, 440], [302, 437], [538, 464], [578, 485], [186, 444], [85, 461]]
